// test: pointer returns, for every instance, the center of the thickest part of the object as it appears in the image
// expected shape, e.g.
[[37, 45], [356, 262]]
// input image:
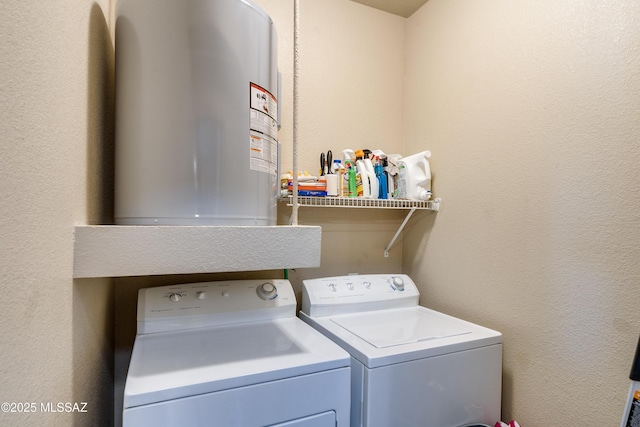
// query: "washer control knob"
[[175, 297], [267, 291], [350, 286], [332, 287], [397, 283], [367, 285], [201, 295]]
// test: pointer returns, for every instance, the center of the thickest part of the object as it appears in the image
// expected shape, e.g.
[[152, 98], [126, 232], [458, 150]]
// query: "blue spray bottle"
[[382, 180]]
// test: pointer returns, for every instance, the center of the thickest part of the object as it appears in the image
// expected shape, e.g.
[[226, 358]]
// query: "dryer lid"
[[389, 328], [177, 364]]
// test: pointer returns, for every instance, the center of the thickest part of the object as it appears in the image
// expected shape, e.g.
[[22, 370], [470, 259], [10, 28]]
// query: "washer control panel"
[[349, 294], [191, 305]]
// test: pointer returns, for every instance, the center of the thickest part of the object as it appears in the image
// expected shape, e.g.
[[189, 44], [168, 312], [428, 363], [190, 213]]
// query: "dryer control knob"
[[201, 295], [175, 297], [267, 291], [397, 283]]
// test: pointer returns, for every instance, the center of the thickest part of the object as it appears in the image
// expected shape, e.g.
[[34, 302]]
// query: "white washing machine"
[[232, 354], [411, 366]]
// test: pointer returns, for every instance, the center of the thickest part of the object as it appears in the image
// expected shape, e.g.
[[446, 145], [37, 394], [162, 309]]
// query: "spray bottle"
[[349, 175], [362, 176], [383, 191], [390, 184], [631, 415], [351, 179]]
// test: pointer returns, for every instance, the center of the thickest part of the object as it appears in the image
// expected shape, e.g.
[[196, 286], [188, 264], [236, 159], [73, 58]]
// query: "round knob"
[[332, 287], [201, 295], [350, 286], [398, 283], [175, 297], [367, 285], [267, 291]]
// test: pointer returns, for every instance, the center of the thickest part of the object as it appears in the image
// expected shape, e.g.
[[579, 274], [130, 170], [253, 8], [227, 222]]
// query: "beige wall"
[[351, 79], [56, 343], [531, 110]]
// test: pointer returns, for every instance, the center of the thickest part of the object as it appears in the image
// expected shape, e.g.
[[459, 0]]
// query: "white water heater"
[[196, 113]]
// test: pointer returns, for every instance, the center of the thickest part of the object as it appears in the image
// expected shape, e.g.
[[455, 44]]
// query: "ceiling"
[[404, 8]]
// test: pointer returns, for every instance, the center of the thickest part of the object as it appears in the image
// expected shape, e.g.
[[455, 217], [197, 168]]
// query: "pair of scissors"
[[326, 163]]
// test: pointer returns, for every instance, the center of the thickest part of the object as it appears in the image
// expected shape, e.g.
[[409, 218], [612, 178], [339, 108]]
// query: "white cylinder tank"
[[196, 113]]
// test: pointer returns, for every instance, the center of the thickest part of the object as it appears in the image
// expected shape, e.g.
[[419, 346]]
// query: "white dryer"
[[411, 366], [232, 354]]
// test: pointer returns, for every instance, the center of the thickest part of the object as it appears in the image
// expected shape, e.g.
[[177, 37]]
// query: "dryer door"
[[326, 419]]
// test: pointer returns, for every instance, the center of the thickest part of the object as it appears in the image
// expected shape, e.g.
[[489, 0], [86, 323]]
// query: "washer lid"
[[171, 365], [393, 328], [408, 333]]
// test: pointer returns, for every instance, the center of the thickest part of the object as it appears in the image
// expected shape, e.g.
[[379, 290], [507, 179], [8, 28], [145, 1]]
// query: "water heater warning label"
[[264, 154], [264, 130]]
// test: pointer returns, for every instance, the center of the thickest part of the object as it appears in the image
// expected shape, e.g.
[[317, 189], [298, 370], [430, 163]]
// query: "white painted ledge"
[[118, 250]]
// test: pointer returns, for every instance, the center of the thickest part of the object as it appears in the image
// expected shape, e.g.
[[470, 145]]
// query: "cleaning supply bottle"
[[361, 191], [392, 169], [414, 178], [362, 182], [631, 415], [362, 176], [371, 176], [349, 179], [338, 170], [383, 189], [349, 176], [336, 167], [389, 178], [344, 182], [350, 173]]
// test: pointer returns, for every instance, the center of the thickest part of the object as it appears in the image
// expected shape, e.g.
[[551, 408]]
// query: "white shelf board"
[[117, 250]]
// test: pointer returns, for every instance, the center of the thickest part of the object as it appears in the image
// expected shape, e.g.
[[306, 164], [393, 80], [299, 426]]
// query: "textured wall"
[[351, 79], [56, 338], [531, 111]]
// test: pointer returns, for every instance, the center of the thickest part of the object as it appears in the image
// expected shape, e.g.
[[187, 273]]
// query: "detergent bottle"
[[371, 176], [414, 177], [362, 177]]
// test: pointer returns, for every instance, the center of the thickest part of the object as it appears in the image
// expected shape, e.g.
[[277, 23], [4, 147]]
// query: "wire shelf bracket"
[[350, 202]]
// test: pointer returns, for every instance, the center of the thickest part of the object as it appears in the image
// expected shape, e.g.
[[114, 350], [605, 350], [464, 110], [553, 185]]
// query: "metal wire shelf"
[[350, 202]]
